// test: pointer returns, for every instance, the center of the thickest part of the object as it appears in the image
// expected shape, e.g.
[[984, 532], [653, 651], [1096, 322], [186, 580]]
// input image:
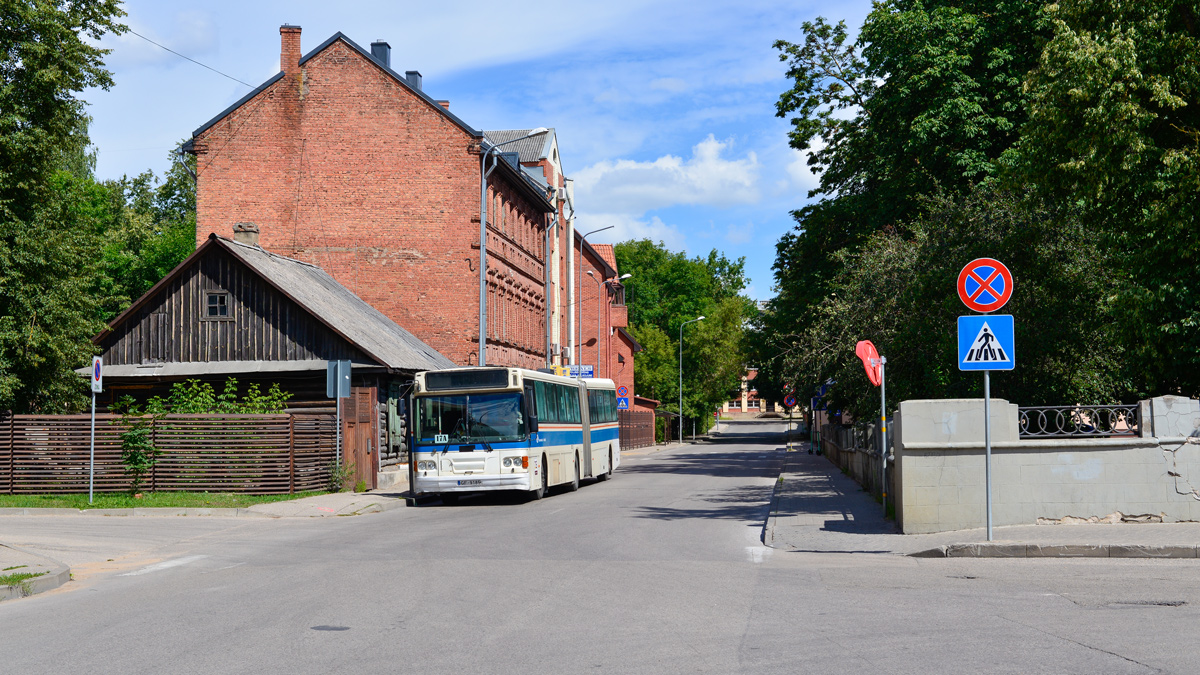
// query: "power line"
[[190, 59]]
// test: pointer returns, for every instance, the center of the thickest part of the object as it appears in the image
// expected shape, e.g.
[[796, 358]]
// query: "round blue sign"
[[789, 400]]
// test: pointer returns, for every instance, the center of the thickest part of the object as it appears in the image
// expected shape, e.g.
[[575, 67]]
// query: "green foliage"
[[138, 452], [73, 252], [893, 291], [340, 475], [918, 121], [1115, 129], [47, 56], [149, 228], [668, 288]]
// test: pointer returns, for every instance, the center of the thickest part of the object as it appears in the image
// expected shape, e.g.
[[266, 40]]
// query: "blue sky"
[[664, 110]]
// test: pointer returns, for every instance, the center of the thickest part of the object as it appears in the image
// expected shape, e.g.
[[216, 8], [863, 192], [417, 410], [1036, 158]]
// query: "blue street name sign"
[[623, 403], [587, 371], [985, 342]]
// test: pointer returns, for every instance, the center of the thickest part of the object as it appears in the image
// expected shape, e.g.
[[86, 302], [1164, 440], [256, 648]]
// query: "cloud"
[[707, 178], [626, 227], [740, 234], [192, 33], [801, 173]]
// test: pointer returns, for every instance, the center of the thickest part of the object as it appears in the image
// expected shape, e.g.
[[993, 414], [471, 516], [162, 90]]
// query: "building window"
[[217, 305]]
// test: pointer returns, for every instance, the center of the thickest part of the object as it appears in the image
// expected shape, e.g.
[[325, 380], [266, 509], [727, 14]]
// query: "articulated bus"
[[478, 429]]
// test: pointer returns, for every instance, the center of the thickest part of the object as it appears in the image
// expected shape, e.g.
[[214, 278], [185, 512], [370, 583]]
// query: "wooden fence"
[[636, 428], [252, 454]]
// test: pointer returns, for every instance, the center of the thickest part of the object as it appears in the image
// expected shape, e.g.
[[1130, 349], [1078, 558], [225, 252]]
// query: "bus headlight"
[[507, 461]]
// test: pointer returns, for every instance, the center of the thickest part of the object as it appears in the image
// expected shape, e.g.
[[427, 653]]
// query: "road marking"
[[168, 564]]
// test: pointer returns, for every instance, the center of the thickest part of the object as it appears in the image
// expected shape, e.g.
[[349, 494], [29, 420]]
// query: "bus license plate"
[[464, 483]]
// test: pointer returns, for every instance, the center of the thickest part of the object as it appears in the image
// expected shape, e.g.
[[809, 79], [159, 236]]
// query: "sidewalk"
[[816, 508]]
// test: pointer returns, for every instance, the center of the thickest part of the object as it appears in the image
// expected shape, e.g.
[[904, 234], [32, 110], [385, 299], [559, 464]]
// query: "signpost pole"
[[883, 446], [97, 387], [92, 462], [987, 445]]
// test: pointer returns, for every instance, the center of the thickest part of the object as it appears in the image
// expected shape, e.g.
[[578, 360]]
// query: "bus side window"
[[531, 415], [539, 395]]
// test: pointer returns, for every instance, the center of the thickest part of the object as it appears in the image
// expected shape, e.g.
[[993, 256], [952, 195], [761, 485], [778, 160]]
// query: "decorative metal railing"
[[1063, 421]]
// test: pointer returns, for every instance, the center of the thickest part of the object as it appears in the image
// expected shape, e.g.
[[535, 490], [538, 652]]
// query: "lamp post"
[[579, 303], [484, 172], [598, 320], [700, 318]]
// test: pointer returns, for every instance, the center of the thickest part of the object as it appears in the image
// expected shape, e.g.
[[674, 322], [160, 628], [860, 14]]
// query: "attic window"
[[218, 305]]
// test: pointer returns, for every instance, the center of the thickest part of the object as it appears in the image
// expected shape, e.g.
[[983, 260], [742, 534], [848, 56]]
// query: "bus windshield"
[[467, 418]]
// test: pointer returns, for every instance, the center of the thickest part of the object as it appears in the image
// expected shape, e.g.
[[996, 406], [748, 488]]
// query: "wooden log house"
[[232, 309]]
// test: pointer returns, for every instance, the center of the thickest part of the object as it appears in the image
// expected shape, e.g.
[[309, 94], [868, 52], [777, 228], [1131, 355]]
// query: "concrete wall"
[[940, 481]]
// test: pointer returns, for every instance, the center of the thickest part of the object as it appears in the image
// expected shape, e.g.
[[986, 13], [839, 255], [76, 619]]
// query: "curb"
[[1002, 550], [135, 512], [768, 536], [57, 576]]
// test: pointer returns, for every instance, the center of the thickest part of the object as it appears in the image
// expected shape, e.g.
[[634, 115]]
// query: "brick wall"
[[342, 166]]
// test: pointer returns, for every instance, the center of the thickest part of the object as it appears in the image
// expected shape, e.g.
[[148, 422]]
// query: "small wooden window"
[[216, 305]]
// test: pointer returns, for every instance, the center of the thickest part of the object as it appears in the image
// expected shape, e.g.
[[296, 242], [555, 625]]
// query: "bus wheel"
[[575, 483], [541, 491], [607, 474]]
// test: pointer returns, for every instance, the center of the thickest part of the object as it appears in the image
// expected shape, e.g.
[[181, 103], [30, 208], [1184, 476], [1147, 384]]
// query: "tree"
[[48, 243], [45, 61], [925, 100], [1115, 128], [668, 288], [150, 229]]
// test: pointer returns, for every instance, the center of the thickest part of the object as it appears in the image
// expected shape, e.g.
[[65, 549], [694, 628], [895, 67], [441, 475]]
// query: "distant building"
[[748, 403]]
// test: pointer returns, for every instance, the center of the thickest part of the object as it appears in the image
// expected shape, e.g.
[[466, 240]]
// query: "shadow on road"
[[747, 503], [705, 462]]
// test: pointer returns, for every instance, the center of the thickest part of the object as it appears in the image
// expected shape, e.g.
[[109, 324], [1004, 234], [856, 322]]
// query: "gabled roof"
[[606, 252], [324, 299], [530, 149], [637, 346], [609, 270], [367, 55]]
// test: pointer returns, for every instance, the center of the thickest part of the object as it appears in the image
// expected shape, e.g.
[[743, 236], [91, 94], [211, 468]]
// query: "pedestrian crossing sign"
[[985, 342]]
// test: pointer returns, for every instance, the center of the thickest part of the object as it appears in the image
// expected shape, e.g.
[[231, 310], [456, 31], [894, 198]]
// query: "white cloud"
[[626, 227], [800, 172], [707, 178]]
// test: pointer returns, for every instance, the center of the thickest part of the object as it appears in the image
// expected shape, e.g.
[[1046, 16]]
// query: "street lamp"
[[700, 318], [484, 172], [579, 303], [598, 318]]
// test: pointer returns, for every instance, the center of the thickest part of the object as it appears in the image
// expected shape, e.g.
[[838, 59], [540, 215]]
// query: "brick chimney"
[[245, 233], [289, 49]]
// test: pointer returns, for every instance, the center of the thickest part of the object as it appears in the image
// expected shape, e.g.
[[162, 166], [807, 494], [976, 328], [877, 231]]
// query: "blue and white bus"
[[478, 429]]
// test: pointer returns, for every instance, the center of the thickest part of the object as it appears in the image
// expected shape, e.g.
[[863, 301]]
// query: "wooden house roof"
[[317, 293]]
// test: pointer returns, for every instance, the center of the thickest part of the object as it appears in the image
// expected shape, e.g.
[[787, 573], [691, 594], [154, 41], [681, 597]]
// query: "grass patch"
[[14, 567], [122, 500], [18, 577]]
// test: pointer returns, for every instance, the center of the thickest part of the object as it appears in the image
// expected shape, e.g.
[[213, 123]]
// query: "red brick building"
[[341, 161]]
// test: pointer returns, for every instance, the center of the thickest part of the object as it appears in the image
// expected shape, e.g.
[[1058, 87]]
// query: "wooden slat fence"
[[636, 428], [252, 454]]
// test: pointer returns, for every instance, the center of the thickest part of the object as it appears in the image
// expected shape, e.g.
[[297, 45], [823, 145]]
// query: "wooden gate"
[[359, 434]]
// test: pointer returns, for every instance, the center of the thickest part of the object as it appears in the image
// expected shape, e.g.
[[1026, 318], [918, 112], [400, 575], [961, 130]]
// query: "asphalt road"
[[660, 570]]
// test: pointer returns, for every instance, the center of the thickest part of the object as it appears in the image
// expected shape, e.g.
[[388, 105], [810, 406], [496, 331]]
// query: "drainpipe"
[[546, 269]]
